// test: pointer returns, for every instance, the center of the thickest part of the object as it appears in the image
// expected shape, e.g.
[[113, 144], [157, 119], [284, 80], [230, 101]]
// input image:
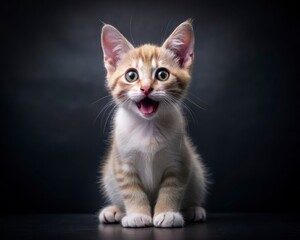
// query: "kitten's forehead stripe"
[[134, 63], [140, 63], [153, 62], [147, 53]]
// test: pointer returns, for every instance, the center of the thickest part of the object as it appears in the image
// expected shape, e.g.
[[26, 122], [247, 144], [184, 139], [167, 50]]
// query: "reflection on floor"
[[218, 226]]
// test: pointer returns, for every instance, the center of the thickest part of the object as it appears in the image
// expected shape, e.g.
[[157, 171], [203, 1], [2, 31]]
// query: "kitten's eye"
[[131, 75], [162, 74]]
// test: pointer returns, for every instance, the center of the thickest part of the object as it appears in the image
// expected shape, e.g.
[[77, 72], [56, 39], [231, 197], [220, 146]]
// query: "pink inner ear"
[[181, 42], [182, 47], [109, 43], [109, 61], [114, 45]]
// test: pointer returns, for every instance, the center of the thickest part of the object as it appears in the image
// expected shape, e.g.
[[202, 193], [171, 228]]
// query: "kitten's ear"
[[114, 46], [181, 42]]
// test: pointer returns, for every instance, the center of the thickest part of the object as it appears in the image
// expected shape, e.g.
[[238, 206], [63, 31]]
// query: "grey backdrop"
[[52, 72]]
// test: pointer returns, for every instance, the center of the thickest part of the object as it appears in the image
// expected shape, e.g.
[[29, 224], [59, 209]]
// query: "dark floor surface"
[[218, 226]]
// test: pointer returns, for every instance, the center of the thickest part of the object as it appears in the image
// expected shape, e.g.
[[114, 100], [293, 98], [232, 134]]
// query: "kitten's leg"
[[138, 211], [166, 213], [194, 214], [111, 214]]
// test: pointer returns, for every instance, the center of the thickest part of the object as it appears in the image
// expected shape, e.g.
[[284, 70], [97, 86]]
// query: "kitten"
[[152, 174]]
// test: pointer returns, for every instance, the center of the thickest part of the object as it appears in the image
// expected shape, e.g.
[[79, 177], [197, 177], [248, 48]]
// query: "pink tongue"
[[147, 107]]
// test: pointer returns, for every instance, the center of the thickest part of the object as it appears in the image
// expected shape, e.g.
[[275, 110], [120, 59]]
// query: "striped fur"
[[152, 173]]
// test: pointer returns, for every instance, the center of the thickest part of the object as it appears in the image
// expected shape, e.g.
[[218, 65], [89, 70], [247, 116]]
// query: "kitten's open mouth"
[[147, 106]]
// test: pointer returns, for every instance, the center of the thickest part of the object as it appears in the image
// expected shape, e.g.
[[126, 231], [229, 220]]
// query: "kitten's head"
[[148, 80]]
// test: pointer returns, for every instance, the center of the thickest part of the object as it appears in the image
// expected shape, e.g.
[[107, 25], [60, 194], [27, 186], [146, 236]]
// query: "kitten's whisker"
[[195, 104], [169, 101], [131, 31], [106, 109], [166, 29], [111, 113], [199, 99], [108, 117], [189, 110], [191, 101], [101, 99], [103, 109]]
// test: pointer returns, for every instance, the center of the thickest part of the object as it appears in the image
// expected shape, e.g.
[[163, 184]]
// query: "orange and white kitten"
[[152, 174]]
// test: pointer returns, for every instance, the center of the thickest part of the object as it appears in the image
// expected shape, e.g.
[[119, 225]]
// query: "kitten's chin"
[[147, 108]]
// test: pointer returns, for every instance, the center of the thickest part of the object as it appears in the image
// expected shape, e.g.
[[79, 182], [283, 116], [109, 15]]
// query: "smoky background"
[[53, 143]]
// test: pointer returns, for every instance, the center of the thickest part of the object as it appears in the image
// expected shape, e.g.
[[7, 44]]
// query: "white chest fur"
[[148, 144], [133, 134]]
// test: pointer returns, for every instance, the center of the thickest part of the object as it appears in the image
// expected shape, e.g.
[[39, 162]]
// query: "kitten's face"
[[148, 80]]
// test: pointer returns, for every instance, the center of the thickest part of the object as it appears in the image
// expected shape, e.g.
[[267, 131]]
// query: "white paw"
[[168, 219], [111, 214], [200, 214], [195, 214], [137, 220]]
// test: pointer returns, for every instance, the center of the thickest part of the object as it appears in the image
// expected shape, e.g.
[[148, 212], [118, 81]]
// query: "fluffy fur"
[[152, 174]]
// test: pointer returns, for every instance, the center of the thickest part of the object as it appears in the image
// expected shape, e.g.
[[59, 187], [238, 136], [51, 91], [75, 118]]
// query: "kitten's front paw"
[[168, 219], [111, 214], [195, 214], [137, 220]]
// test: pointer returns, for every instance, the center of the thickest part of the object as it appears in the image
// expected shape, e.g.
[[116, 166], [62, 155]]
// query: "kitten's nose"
[[146, 90]]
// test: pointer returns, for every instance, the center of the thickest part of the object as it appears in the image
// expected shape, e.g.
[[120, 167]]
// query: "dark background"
[[52, 72]]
